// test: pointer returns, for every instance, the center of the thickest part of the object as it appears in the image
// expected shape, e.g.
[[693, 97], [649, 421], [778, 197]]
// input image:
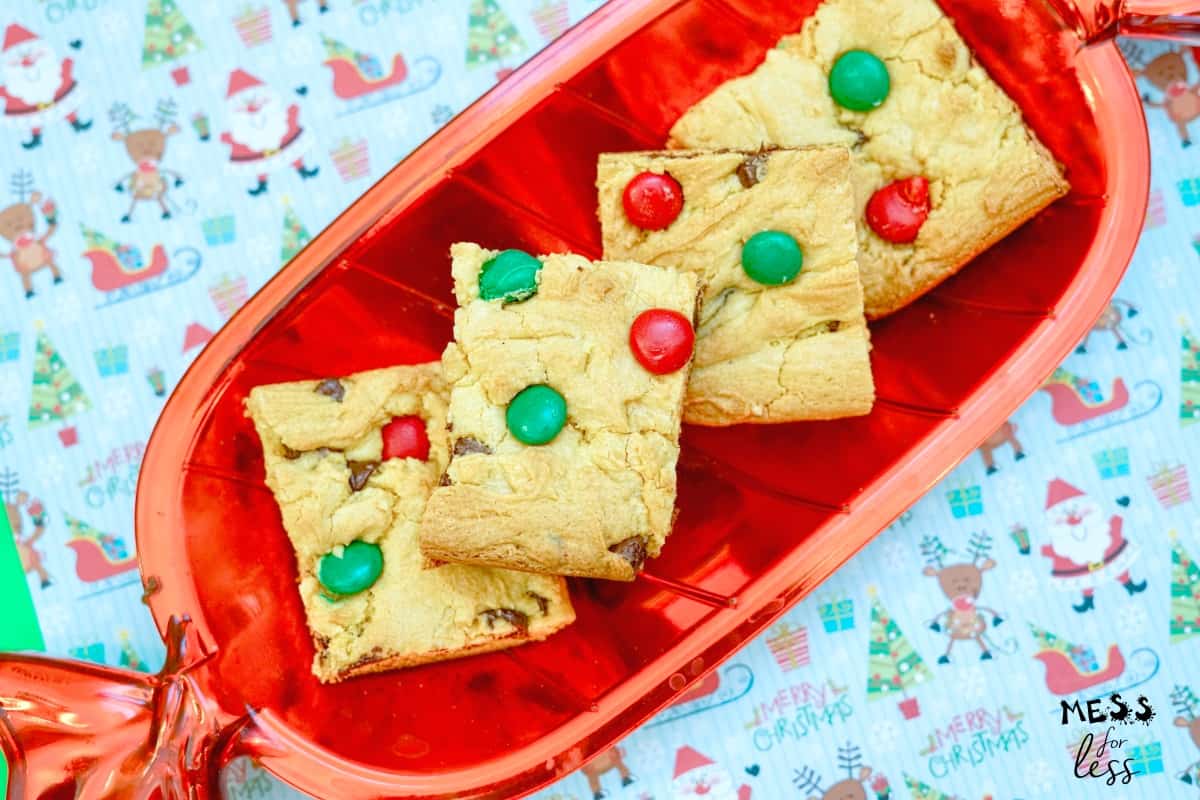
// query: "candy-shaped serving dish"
[[766, 513]]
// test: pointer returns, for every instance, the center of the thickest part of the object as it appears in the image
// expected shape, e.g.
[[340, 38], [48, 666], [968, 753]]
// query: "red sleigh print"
[[98, 555], [359, 76], [1080, 405], [123, 272], [1071, 668]]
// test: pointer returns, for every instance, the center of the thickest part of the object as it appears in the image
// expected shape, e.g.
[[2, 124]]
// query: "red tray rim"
[[1108, 85]]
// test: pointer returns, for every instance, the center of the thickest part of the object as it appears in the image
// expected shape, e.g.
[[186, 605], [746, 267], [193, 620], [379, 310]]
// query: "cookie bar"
[[351, 462], [567, 385], [944, 164], [781, 334]]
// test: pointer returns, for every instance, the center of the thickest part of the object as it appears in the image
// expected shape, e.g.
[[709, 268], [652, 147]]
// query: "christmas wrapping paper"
[[168, 157]]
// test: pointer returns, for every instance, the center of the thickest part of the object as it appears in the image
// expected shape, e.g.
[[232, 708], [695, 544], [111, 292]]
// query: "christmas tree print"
[[95, 240], [169, 35], [56, 394], [923, 791], [1185, 594], [129, 657], [491, 36], [893, 666], [1189, 379], [295, 235]]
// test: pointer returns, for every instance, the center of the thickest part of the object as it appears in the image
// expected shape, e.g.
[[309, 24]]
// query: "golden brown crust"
[[537, 632], [944, 119], [609, 475], [764, 353], [317, 436]]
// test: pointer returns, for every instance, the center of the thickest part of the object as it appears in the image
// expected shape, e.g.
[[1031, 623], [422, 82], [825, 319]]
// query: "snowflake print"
[[1131, 620], [1166, 272], [396, 121], [119, 403], [86, 160], [106, 435], [68, 308], [148, 329], [112, 25], [883, 737], [50, 469], [896, 554], [262, 249], [1088, 631], [1016, 680], [1022, 583], [1142, 517], [1040, 776], [1012, 489], [55, 621], [299, 51], [208, 187], [972, 682], [444, 34]]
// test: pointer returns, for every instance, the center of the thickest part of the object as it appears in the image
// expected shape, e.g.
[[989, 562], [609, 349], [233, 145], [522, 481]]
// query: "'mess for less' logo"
[[1099, 759]]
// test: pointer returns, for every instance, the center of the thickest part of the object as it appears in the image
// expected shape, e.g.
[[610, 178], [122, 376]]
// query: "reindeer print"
[[146, 148], [1111, 320], [1187, 706], [961, 583], [852, 787], [293, 7], [16, 501], [1005, 434], [613, 758], [29, 252], [1168, 73]]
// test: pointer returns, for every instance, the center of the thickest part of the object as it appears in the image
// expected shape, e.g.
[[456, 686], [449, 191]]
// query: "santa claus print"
[[698, 778], [1087, 547], [264, 132], [37, 87]]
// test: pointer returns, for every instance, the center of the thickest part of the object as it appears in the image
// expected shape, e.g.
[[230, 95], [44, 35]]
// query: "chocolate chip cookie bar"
[[781, 334], [944, 165], [567, 382], [351, 462]]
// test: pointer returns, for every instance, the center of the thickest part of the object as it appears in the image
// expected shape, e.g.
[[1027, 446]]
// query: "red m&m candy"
[[405, 437], [661, 340], [652, 201], [897, 211]]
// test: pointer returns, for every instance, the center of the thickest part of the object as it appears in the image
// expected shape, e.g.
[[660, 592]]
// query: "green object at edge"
[[20, 630]]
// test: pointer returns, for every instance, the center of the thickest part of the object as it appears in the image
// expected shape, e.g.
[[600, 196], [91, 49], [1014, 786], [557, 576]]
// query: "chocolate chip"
[[632, 550], [467, 445], [359, 472], [543, 603], [833, 325], [752, 170], [444, 480], [511, 616], [331, 387], [290, 454]]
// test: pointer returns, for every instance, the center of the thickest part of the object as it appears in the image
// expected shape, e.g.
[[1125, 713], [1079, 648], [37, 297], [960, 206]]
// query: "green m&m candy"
[[536, 414], [772, 258], [511, 276], [859, 81], [356, 570]]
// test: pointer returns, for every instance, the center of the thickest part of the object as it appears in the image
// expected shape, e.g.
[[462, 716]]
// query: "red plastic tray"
[[766, 513]]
